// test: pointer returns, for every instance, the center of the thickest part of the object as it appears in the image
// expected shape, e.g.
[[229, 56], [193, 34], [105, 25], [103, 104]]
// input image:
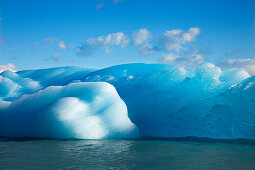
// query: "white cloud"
[[147, 44], [168, 58], [142, 40], [175, 42], [175, 39], [189, 35], [247, 64], [147, 49], [105, 42], [54, 41], [141, 36], [172, 40], [61, 45], [9, 66], [188, 59]]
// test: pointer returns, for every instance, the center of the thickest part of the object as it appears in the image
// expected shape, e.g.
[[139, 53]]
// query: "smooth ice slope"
[[162, 100], [78, 110]]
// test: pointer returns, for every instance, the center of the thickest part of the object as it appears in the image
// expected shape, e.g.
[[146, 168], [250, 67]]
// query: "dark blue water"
[[127, 154]]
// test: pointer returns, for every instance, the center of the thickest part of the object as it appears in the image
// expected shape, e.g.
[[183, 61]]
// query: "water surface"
[[127, 154]]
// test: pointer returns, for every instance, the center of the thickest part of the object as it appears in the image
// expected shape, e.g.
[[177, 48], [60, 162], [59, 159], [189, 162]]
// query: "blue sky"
[[48, 33]]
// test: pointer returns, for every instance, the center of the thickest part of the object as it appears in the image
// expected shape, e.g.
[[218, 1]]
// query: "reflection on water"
[[126, 154]]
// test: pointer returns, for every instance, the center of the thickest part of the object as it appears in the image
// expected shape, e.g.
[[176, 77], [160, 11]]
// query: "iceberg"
[[129, 101]]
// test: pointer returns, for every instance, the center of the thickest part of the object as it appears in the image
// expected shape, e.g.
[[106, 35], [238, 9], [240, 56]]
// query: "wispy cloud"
[[15, 47], [141, 37], [116, 1], [71, 45], [3, 41], [143, 40], [12, 58], [174, 42], [9, 66], [189, 58], [168, 58], [232, 53], [54, 57], [171, 40], [176, 39], [61, 45], [100, 5], [34, 46], [103, 42], [51, 40]]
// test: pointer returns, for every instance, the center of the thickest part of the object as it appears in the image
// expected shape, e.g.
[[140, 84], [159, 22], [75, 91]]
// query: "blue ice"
[[128, 101]]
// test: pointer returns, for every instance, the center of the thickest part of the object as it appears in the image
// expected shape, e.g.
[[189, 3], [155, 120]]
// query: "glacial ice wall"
[[162, 100]]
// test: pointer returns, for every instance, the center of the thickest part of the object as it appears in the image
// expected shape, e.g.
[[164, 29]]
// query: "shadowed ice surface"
[[127, 154]]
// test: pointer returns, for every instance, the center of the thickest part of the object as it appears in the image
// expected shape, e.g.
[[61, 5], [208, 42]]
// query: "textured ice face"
[[167, 101], [162, 100]]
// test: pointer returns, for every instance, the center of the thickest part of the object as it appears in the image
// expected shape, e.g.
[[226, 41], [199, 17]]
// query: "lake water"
[[127, 154]]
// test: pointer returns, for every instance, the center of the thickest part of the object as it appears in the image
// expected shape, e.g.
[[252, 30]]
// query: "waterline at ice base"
[[128, 101]]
